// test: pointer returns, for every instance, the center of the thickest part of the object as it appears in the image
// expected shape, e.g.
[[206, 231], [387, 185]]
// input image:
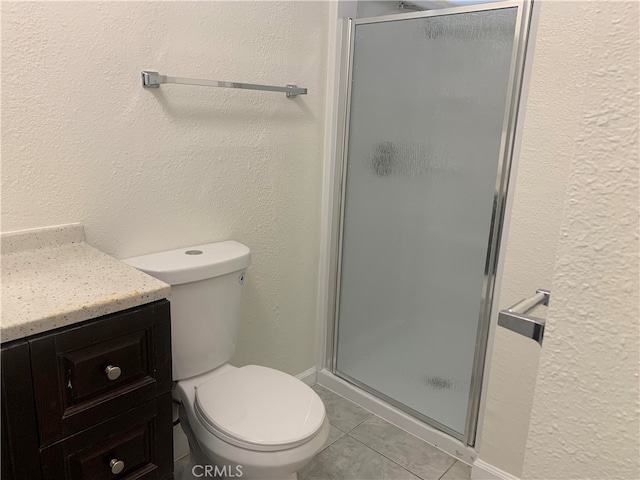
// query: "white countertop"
[[52, 278]]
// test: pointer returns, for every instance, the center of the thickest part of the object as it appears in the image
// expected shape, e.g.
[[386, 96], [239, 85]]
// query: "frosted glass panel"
[[427, 111]]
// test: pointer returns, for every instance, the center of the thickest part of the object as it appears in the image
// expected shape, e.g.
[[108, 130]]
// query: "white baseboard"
[[308, 376], [481, 470]]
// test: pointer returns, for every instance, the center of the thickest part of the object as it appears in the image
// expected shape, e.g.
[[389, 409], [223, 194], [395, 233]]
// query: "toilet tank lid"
[[191, 264]]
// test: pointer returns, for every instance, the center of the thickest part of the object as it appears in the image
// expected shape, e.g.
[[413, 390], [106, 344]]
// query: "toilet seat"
[[259, 408]]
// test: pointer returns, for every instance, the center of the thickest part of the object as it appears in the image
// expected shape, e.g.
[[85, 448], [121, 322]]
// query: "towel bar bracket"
[[151, 80], [547, 296], [516, 320]]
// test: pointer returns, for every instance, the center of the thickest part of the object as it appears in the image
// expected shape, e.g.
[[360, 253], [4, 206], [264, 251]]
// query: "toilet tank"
[[206, 286]]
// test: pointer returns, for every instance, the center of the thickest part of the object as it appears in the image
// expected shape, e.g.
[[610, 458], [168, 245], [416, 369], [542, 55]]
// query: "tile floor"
[[362, 446]]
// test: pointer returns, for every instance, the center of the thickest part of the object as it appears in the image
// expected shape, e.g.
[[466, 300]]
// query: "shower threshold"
[[394, 415]]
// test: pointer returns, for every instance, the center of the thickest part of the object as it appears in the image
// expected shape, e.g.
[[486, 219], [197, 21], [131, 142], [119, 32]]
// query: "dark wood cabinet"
[[99, 401], [130, 441], [20, 453], [72, 387]]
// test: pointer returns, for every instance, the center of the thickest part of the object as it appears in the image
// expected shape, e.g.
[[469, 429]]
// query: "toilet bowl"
[[256, 418], [252, 422]]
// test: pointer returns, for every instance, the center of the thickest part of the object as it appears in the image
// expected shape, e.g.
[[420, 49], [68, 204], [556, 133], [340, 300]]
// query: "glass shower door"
[[428, 96]]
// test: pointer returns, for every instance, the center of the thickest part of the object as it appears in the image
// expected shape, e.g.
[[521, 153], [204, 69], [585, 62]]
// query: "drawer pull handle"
[[117, 466], [113, 373]]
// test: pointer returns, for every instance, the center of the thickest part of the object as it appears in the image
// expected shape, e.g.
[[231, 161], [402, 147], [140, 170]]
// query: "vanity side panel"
[[20, 456], [162, 346]]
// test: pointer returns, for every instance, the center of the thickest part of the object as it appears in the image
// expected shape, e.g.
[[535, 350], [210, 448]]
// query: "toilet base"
[[186, 472], [223, 468]]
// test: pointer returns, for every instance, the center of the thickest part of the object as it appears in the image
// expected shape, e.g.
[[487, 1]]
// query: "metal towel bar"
[[154, 80], [514, 318]]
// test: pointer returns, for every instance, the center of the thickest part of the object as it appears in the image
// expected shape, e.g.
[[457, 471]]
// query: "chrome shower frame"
[[521, 38]]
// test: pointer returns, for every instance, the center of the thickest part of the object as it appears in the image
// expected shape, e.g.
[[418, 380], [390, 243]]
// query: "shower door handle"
[[515, 318]]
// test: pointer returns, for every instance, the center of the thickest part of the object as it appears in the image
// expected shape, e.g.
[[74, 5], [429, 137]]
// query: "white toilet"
[[260, 420]]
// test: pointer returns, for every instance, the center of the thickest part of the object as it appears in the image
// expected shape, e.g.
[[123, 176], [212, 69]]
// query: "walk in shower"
[[431, 106]]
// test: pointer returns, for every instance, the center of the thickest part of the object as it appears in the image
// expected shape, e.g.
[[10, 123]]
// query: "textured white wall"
[[550, 126], [585, 418], [148, 170]]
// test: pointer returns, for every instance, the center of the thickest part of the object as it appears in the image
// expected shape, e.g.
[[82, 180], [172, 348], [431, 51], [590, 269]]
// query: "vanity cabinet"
[[90, 401], [20, 454]]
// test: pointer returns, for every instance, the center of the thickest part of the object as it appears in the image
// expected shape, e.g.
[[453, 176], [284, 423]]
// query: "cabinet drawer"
[[106, 366], [135, 445], [99, 369]]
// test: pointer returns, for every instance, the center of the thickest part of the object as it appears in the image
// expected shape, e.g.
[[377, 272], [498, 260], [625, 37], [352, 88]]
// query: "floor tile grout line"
[[406, 468], [405, 431], [344, 398], [352, 429], [338, 428], [408, 433], [383, 455], [445, 472], [327, 446], [371, 414]]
